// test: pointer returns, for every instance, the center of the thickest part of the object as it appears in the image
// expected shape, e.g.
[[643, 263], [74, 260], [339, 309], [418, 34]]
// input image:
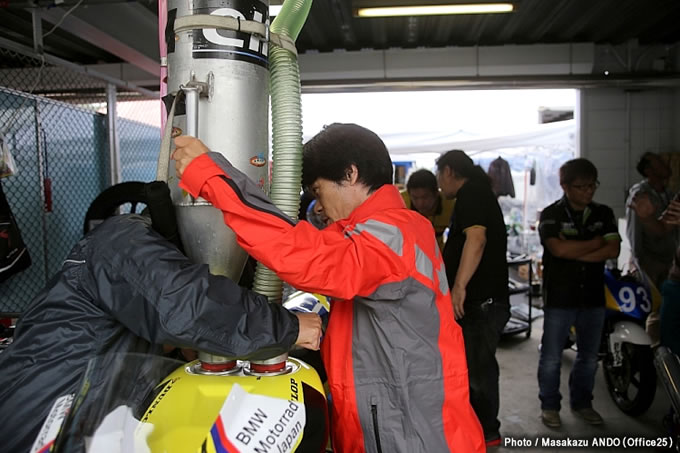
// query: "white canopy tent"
[[411, 145], [541, 147]]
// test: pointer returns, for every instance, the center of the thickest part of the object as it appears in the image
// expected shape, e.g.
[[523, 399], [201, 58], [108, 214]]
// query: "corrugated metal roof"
[[332, 26]]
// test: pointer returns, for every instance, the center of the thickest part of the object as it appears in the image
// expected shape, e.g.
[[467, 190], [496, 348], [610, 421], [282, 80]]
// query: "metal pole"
[[41, 182], [191, 101], [111, 116], [37, 30]]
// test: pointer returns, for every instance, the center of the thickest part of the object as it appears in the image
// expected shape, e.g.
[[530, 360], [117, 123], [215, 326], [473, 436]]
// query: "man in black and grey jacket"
[[125, 288]]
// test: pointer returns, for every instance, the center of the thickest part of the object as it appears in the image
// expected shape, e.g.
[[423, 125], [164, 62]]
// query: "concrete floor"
[[520, 406]]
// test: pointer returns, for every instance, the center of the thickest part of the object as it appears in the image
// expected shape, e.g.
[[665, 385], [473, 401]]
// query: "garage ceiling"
[[112, 31], [331, 25]]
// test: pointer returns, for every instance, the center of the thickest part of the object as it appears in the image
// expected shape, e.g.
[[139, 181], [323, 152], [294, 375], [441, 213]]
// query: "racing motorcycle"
[[626, 349], [144, 403]]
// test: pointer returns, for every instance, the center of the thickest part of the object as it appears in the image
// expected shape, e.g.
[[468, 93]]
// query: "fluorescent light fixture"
[[435, 10], [274, 10]]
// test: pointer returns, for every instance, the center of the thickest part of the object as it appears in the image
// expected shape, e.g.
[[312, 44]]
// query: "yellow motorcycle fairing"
[[186, 405]]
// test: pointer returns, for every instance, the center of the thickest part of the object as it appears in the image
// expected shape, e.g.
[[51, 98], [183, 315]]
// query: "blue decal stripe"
[[217, 440]]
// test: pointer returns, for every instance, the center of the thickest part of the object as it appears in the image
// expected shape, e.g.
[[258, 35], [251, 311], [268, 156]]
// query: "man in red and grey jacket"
[[393, 351]]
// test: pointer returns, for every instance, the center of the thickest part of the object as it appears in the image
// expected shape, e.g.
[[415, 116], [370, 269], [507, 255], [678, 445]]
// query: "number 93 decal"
[[630, 297]]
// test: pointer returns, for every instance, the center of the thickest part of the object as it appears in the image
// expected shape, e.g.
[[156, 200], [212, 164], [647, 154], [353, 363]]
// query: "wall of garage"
[[617, 126], [452, 67]]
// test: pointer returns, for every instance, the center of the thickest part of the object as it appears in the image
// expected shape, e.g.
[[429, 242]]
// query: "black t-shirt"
[[476, 205], [571, 283]]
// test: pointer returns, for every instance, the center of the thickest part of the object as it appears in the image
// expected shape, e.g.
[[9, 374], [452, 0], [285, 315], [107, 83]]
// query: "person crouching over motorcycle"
[[125, 288], [578, 236]]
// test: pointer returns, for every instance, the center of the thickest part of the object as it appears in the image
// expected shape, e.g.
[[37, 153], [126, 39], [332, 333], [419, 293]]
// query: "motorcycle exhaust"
[[668, 369]]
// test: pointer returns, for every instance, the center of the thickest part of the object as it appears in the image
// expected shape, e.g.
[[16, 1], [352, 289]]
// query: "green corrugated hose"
[[286, 129]]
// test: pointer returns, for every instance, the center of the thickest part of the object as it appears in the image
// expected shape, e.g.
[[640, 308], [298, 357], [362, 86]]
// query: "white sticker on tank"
[[213, 36], [257, 423]]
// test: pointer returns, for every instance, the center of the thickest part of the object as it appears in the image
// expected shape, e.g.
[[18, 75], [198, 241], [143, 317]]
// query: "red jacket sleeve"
[[325, 261]]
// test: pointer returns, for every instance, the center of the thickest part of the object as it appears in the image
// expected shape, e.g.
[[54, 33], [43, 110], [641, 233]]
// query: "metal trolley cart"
[[520, 319]]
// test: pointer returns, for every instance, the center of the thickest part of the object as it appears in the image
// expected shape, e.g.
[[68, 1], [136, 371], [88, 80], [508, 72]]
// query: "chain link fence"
[[54, 122]]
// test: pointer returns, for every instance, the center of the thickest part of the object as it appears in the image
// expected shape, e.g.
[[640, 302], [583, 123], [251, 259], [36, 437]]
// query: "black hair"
[[423, 179], [331, 152], [574, 169], [462, 166], [645, 162]]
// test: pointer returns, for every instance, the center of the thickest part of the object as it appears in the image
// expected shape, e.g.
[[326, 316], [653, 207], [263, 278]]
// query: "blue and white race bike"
[[626, 350]]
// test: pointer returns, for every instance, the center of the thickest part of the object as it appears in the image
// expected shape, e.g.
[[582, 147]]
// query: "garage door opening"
[[534, 131]]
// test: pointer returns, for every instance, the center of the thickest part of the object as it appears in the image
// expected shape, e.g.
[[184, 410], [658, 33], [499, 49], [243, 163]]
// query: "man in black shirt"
[[477, 272], [578, 236]]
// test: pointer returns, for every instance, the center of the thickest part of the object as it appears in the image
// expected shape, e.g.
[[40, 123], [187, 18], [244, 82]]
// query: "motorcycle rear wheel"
[[632, 385]]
